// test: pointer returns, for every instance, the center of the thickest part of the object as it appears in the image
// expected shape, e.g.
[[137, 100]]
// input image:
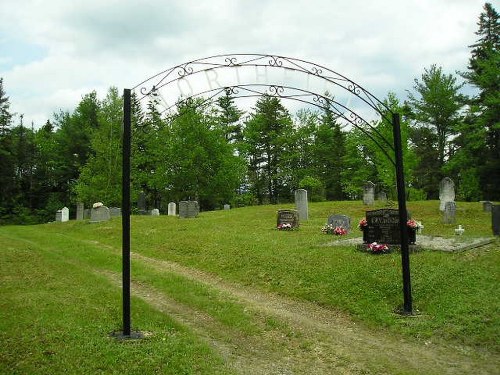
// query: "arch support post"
[[403, 215], [126, 142]]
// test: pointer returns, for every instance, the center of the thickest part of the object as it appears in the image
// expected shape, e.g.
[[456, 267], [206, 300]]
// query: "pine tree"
[[484, 114]]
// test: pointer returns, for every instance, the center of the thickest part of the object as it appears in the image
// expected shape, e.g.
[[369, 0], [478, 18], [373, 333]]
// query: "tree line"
[[215, 153]]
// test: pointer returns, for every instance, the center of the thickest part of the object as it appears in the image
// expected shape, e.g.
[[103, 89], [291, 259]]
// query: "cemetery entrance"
[[244, 76]]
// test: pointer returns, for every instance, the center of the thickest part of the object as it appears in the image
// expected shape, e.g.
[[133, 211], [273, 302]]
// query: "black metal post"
[[126, 210], [403, 215]]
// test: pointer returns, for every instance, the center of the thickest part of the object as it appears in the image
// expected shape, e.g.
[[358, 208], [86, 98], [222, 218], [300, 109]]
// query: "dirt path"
[[306, 338]]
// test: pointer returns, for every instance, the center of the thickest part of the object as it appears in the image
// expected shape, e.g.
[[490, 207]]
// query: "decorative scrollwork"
[[276, 90], [146, 92], [276, 61], [185, 70], [317, 71], [355, 119], [232, 90], [231, 61], [355, 89], [320, 100]]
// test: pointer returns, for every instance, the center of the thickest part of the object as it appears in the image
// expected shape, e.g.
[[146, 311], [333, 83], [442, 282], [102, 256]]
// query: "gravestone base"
[[363, 247]]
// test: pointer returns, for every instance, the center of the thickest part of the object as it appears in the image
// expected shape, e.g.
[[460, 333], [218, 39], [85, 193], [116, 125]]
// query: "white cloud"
[[73, 47]]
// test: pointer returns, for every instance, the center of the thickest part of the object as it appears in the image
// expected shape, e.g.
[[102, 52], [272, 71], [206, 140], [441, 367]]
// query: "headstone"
[[155, 212], [227, 207], [115, 211], [382, 196], [188, 209], [301, 204], [446, 192], [141, 203], [86, 213], [340, 221], [172, 209], [487, 206], [79, 211], [383, 227], [100, 213], [65, 214], [369, 193], [450, 209], [59, 216], [288, 217], [495, 219]]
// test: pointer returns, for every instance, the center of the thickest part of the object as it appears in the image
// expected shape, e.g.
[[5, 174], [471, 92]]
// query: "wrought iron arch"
[[200, 70]]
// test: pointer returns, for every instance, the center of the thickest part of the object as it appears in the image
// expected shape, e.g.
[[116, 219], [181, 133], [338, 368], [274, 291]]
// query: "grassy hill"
[[60, 296]]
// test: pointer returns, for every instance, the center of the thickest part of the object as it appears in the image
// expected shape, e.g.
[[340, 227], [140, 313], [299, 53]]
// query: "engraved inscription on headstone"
[[450, 209], [288, 217], [301, 204], [343, 221], [383, 227]]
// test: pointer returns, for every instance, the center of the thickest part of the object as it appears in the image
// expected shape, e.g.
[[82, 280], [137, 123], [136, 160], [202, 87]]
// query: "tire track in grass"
[[306, 338]]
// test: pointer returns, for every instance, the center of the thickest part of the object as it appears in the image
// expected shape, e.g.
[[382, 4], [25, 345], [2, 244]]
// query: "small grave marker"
[[450, 209], [342, 221], [172, 209], [288, 217]]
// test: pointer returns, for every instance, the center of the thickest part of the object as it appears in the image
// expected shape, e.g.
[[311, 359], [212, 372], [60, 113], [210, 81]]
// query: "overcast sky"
[[54, 52]]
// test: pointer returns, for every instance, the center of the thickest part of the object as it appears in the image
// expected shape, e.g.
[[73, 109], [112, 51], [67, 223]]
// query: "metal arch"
[[177, 72], [215, 62], [299, 95]]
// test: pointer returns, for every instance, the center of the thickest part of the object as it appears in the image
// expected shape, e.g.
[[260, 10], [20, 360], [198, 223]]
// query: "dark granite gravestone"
[[383, 227], [288, 217], [487, 206], [188, 209], [495, 219], [141, 203], [340, 221]]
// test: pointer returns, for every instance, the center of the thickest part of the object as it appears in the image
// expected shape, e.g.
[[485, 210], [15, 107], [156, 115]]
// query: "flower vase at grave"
[[412, 235]]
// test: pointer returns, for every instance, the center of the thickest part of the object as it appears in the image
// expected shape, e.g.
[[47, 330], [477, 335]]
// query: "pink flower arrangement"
[[362, 224], [284, 226], [330, 229], [378, 248]]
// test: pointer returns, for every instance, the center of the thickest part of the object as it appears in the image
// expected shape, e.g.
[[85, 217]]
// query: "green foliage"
[[100, 177], [314, 187], [482, 133], [267, 136]]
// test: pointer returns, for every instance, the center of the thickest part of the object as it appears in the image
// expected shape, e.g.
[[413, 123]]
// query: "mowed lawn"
[[58, 307]]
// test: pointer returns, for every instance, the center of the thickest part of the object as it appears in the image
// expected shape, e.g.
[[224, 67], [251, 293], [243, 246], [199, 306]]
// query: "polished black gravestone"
[[383, 227], [495, 219]]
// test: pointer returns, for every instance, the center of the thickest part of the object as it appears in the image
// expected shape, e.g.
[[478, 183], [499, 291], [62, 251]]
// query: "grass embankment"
[[57, 307]]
